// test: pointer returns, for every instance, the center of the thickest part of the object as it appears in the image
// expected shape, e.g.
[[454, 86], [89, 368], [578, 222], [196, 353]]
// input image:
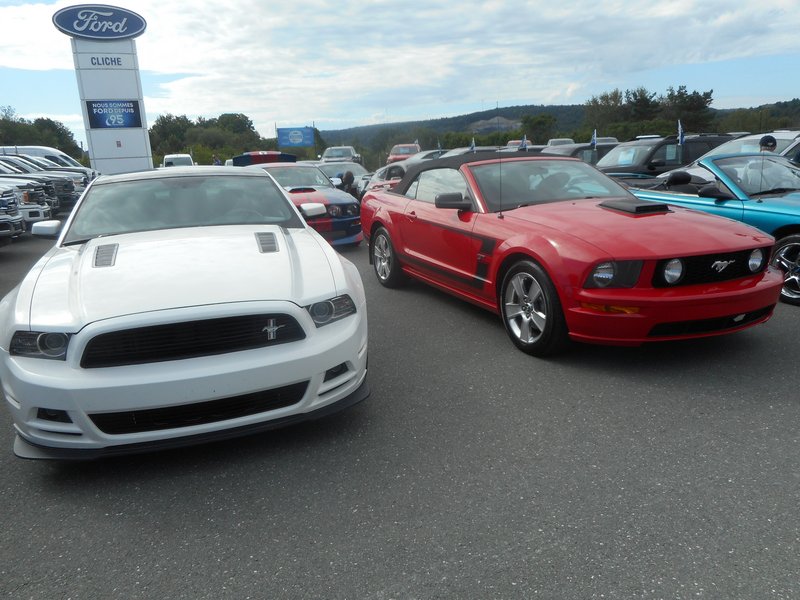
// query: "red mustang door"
[[438, 242]]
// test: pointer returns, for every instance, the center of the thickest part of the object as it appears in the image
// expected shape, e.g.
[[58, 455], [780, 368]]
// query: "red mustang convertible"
[[560, 252]]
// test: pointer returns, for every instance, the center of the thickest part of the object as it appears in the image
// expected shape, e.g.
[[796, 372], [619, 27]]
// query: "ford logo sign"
[[99, 22]]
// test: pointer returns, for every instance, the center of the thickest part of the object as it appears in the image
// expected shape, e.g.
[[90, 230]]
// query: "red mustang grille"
[[706, 269]]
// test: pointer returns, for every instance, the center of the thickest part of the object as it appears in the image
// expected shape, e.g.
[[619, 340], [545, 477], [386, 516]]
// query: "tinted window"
[[747, 144], [622, 156], [295, 177], [338, 169], [671, 154], [439, 181], [395, 172], [696, 150]]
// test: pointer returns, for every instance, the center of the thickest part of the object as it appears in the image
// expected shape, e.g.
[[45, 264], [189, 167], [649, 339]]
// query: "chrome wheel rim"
[[382, 257], [525, 308], [787, 259]]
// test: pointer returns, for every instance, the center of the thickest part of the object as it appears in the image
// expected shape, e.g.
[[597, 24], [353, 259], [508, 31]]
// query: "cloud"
[[349, 63]]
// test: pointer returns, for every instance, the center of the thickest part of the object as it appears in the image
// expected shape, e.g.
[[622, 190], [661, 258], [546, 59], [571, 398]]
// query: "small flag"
[[681, 137], [416, 141], [472, 145], [594, 139], [523, 145]]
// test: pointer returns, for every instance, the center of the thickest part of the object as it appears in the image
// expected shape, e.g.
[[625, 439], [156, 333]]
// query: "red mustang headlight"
[[614, 273]]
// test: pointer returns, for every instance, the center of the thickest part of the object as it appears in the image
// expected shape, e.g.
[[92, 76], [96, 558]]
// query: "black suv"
[[653, 155]]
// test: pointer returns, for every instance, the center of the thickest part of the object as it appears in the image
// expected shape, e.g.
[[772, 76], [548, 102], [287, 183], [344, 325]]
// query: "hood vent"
[[636, 206], [105, 255], [266, 242]]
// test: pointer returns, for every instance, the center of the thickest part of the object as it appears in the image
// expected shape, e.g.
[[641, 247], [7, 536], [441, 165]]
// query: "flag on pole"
[[594, 139], [681, 137], [472, 145], [523, 145]]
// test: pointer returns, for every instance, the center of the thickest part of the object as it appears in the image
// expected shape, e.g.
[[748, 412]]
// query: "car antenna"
[[500, 165], [500, 186]]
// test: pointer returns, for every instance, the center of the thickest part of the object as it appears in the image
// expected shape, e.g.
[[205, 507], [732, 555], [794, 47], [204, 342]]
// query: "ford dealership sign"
[[99, 22]]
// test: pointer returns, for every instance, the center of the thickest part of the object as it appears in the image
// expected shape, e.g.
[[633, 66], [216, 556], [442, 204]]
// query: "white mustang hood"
[[140, 272]]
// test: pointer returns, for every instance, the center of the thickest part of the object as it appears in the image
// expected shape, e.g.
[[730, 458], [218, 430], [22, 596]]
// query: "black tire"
[[531, 310], [786, 257], [384, 260]]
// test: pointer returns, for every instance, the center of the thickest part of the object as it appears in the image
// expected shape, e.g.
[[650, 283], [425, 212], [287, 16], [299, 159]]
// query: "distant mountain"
[[568, 118]]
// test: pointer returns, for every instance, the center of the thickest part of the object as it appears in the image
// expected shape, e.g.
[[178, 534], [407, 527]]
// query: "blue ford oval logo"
[[99, 22]]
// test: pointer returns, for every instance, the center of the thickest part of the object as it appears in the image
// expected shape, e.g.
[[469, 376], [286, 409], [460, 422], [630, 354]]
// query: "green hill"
[[568, 118]]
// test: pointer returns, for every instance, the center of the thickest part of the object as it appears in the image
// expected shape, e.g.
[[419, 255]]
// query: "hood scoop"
[[105, 255], [302, 190], [635, 206], [266, 242]]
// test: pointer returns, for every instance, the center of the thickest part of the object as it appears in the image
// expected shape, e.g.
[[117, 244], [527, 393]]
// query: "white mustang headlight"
[[328, 311], [38, 344]]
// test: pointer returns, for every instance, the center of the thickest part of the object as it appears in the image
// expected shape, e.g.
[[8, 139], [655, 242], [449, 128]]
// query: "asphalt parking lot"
[[473, 471]]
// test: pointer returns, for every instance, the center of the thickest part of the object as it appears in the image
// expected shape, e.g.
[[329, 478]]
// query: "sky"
[[347, 63]]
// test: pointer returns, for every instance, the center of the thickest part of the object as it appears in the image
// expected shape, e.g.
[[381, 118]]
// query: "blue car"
[[760, 189]]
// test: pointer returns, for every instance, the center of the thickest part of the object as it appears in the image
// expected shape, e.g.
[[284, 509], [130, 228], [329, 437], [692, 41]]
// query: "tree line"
[[38, 132], [617, 113]]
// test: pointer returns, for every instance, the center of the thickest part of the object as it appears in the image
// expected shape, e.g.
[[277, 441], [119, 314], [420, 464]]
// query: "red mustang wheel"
[[531, 310], [384, 260]]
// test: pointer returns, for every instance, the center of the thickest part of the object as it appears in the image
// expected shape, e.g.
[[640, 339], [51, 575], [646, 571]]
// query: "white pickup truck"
[[177, 160]]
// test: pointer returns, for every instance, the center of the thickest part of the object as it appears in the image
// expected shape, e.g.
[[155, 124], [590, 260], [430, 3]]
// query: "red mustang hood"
[[626, 235]]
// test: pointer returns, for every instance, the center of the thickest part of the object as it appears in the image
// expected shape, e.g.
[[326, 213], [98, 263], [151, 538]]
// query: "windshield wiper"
[[79, 241]]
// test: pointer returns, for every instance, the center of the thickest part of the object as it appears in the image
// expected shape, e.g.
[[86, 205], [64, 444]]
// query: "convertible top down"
[[562, 251]]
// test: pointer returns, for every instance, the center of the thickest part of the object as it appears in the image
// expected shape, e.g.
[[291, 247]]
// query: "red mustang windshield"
[[508, 184]]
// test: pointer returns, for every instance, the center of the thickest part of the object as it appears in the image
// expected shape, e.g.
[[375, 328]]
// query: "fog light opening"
[[53, 414], [334, 372]]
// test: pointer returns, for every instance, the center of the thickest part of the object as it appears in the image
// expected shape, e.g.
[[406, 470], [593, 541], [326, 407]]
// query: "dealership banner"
[[112, 114], [295, 137], [103, 40]]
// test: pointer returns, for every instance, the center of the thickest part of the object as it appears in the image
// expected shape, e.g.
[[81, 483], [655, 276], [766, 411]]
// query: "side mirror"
[[313, 209], [654, 164], [454, 200], [679, 178], [46, 229], [712, 191]]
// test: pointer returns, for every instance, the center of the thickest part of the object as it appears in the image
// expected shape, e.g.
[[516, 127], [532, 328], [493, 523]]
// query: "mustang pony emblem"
[[720, 265], [272, 329]]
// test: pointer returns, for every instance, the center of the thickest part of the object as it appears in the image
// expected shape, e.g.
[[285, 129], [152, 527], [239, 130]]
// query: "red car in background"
[[561, 251], [341, 225], [402, 152]]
